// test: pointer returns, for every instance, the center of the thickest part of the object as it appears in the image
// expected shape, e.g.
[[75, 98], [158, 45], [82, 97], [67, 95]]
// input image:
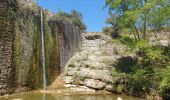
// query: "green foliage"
[[138, 82], [129, 42], [34, 68], [140, 15], [108, 30], [165, 80], [71, 65], [152, 56], [74, 18], [147, 72], [52, 54], [115, 25], [150, 72]]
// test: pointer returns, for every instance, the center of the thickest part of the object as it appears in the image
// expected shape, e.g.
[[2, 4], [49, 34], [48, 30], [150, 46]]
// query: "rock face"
[[160, 38], [20, 46], [7, 36], [96, 84], [70, 42], [93, 65]]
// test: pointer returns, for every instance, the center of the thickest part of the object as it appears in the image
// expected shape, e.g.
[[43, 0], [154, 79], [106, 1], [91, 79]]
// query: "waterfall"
[[43, 51]]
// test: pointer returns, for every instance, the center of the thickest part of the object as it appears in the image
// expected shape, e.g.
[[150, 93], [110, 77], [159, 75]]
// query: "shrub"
[[74, 18], [148, 73]]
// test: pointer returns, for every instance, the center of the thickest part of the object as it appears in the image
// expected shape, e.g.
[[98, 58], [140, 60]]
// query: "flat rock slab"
[[96, 84], [103, 75]]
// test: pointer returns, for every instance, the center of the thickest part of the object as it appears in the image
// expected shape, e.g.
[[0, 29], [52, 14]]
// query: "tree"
[[76, 14], [115, 27], [77, 19], [141, 15], [74, 18]]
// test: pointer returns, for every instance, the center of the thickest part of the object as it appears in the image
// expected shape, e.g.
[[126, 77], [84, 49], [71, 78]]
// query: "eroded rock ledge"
[[92, 67]]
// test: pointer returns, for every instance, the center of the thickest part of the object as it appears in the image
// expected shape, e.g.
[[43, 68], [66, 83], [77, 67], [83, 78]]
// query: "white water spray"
[[43, 51]]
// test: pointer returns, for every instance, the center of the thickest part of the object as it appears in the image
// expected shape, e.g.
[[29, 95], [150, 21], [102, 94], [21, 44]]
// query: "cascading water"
[[43, 51]]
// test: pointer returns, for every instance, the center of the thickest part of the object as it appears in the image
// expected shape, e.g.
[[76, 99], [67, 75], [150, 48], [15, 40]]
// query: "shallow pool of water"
[[39, 96]]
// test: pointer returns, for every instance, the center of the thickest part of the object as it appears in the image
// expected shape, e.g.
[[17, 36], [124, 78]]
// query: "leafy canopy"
[[141, 15]]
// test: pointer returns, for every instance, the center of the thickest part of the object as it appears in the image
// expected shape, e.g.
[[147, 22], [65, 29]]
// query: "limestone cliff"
[[93, 65], [7, 36], [20, 46]]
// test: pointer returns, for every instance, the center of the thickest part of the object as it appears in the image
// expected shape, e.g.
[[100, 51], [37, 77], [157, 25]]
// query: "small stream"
[[40, 96]]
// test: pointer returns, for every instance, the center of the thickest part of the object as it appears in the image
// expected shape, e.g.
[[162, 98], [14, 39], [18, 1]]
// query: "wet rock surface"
[[20, 45]]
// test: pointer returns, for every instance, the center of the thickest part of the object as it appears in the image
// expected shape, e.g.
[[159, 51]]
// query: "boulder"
[[110, 87], [96, 84]]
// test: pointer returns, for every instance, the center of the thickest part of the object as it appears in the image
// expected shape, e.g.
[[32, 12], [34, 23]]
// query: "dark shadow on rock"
[[115, 35], [166, 94], [93, 37], [126, 64]]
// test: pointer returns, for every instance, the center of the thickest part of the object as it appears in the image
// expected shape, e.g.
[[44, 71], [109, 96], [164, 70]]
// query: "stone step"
[[103, 75]]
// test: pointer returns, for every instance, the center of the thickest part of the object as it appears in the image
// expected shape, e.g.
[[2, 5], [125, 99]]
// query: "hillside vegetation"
[[143, 26]]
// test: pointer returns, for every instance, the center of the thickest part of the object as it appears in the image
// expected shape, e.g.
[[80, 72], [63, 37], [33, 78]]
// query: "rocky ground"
[[161, 38], [92, 66]]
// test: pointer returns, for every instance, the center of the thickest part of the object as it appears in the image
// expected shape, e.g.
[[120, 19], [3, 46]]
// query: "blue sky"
[[94, 14]]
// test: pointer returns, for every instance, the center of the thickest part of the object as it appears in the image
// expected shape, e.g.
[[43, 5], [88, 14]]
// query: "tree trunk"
[[144, 33], [137, 32], [134, 35]]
